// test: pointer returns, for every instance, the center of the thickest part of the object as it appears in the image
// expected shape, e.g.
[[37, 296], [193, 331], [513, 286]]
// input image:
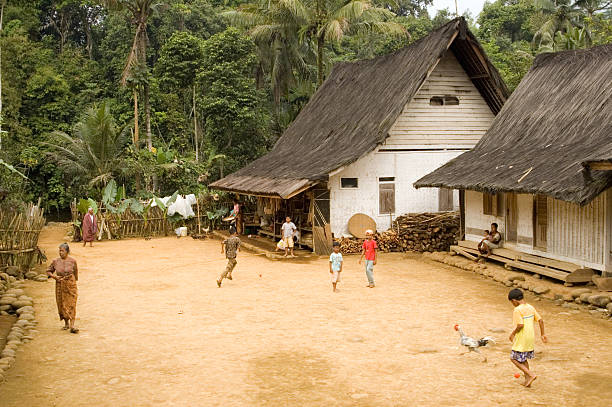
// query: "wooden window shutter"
[[499, 204], [445, 199], [487, 203], [387, 197], [541, 220]]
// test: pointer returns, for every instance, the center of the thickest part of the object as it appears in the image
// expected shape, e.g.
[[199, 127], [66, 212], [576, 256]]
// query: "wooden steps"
[[559, 270]]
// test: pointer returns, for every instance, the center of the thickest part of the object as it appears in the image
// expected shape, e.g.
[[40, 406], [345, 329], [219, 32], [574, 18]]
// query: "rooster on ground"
[[473, 344]]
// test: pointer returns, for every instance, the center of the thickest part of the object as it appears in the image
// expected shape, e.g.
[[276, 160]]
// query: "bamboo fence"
[[19, 233], [129, 224]]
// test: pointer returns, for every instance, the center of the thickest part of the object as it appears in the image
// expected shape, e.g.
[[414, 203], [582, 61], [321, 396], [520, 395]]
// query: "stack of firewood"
[[420, 232]]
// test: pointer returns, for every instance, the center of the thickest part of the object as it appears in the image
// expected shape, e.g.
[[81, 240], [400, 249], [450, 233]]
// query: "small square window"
[[436, 101], [451, 101], [349, 183]]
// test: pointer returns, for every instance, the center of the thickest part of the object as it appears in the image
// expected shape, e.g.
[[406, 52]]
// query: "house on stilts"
[[371, 130], [543, 171]]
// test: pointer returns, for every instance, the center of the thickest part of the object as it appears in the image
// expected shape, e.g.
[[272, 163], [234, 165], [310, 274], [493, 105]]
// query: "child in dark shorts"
[[523, 335]]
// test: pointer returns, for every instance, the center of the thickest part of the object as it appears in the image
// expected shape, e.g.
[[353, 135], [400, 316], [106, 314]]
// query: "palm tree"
[[332, 20], [275, 30], [561, 16], [283, 24], [140, 12], [593, 6], [94, 150]]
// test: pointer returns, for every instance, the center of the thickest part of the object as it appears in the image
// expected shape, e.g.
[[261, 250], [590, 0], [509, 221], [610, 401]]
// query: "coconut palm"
[[94, 149], [140, 12], [561, 16], [284, 24], [274, 28], [591, 7]]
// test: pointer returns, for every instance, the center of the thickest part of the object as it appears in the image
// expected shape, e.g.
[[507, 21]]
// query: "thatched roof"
[[353, 111], [556, 122]]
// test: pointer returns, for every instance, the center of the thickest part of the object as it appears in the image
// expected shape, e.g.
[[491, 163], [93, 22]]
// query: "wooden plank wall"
[[459, 126], [577, 232]]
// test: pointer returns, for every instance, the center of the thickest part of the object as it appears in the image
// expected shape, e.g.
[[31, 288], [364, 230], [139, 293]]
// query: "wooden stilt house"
[[372, 129], [543, 171]]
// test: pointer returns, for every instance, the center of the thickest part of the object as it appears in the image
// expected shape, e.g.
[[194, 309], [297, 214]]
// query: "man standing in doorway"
[[288, 231]]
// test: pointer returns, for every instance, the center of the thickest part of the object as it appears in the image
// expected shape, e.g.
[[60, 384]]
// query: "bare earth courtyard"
[[156, 330]]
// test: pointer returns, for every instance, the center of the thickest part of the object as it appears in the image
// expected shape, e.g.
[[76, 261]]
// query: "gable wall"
[[405, 166], [422, 125]]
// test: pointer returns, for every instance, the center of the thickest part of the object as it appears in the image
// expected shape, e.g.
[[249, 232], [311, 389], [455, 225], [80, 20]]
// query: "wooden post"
[[199, 220]]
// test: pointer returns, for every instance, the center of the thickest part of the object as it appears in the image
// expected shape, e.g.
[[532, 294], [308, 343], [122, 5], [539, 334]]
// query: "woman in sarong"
[[65, 273]]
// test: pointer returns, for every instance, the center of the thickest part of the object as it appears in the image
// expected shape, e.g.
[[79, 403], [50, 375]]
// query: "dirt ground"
[[156, 330]]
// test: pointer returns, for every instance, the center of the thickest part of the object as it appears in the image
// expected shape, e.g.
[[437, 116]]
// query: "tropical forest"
[[158, 96]]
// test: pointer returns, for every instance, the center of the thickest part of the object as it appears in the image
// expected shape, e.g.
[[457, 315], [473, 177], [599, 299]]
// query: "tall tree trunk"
[[320, 42], [195, 126], [320, 45], [136, 135], [148, 117], [136, 118], [2, 4]]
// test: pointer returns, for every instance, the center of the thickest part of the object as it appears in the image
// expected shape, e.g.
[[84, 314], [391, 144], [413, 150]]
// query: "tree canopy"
[[210, 83]]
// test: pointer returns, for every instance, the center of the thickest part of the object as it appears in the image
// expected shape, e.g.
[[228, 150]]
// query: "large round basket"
[[359, 223]]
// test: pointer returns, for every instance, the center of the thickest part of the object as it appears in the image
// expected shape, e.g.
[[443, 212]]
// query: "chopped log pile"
[[419, 232]]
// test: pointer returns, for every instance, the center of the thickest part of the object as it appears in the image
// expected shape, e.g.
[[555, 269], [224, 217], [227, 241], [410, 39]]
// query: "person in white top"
[[288, 231]]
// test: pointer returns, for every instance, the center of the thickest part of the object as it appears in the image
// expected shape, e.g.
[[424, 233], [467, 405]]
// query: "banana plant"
[[214, 216]]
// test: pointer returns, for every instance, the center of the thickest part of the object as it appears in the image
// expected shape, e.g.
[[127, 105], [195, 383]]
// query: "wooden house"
[[376, 126], [543, 171]]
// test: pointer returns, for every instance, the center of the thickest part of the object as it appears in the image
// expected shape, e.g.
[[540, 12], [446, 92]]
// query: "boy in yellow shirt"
[[523, 335]]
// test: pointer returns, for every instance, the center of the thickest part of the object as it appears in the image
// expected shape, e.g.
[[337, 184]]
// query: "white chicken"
[[472, 344]]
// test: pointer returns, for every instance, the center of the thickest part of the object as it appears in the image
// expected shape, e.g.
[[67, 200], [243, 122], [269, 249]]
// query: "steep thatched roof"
[[556, 122], [354, 109]]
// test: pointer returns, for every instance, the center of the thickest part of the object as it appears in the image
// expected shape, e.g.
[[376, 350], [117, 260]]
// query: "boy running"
[[369, 251], [335, 265], [523, 335], [232, 244]]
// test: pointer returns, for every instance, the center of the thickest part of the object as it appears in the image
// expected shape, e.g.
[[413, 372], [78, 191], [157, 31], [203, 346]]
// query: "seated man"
[[491, 241]]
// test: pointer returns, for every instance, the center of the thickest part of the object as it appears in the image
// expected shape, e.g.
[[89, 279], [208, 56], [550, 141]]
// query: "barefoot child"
[[369, 251], [232, 244], [523, 335], [335, 265]]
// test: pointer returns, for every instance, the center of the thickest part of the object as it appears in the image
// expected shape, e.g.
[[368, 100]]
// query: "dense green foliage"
[[214, 83]]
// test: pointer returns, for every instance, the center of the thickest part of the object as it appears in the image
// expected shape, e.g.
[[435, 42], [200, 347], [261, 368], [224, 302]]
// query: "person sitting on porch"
[[491, 241]]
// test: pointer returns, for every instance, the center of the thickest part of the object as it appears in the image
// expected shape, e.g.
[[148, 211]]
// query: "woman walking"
[[65, 273]]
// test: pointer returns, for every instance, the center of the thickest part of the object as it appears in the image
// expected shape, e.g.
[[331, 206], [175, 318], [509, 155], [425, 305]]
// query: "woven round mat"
[[359, 223]]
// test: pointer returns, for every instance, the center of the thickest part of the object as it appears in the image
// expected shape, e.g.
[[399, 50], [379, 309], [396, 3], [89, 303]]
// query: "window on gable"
[[436, 101], [349, 183], [451, 101], [444, 101]]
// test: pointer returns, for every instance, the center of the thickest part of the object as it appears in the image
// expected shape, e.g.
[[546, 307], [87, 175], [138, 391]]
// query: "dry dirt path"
[[156, 331]]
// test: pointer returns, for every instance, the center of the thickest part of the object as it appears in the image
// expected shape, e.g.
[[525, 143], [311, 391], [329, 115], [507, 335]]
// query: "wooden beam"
[[480, 76], [601, 166]]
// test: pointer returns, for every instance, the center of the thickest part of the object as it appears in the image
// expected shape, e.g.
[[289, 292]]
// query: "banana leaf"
[[110, 193], [93, 205]]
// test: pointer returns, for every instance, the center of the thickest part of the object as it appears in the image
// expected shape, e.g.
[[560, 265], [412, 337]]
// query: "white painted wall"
[[476, 219], [406, 167], [424, 126], [576, 234]]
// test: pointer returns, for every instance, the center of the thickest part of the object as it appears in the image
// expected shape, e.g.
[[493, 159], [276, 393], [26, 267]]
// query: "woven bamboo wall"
[[19, 233]]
